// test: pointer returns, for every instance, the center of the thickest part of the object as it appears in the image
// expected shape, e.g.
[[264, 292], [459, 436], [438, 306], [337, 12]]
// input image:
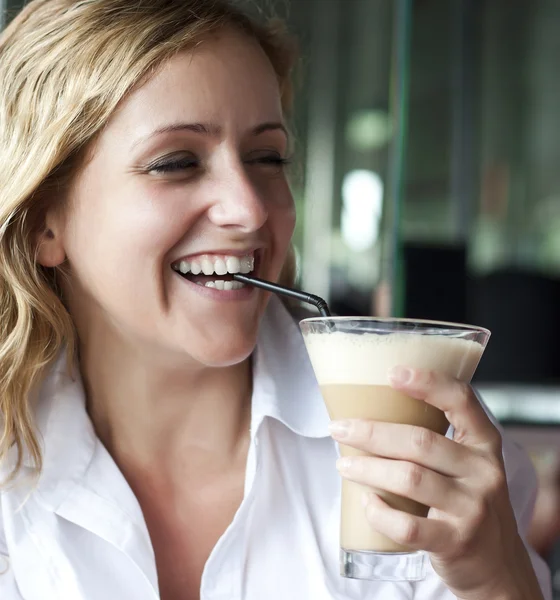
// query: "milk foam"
[[366, 359]]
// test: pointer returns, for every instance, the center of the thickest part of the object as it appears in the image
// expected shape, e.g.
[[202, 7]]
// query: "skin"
[[161, 358], [470, 532]]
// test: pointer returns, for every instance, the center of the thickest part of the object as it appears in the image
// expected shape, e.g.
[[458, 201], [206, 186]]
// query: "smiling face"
[[187, 176]]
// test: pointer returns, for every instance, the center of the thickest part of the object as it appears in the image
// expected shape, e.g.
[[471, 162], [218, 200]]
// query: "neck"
[[151, 412]]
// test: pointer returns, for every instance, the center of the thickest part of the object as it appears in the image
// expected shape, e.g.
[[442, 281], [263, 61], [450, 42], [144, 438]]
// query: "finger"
[[417, 533], [408, 480], [455, 398], [405, 442]]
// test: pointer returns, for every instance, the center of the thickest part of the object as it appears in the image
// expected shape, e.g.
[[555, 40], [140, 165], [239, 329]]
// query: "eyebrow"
[[207, 129]]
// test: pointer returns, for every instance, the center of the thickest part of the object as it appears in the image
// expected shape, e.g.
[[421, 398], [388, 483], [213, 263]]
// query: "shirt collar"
[[285, 387], [68, 439]]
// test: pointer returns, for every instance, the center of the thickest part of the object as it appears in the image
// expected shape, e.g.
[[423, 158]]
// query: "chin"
[[218, 357], [225, 350]]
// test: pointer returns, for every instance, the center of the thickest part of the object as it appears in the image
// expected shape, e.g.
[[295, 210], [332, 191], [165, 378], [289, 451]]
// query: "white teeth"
[[247, 264], [207, 267], [225, 286], [233, 264], [220, 267]]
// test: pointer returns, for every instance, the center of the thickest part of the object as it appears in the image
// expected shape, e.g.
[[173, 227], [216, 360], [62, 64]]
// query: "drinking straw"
[[316, 301]]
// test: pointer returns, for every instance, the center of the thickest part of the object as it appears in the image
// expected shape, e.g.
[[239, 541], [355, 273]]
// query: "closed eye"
[[173, 165], [272, 160]]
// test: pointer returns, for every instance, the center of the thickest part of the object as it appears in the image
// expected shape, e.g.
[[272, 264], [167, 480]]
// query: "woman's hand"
[[470, 532]]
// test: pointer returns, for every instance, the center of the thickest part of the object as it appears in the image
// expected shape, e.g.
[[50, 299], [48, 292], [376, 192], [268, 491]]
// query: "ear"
[[50, 247]]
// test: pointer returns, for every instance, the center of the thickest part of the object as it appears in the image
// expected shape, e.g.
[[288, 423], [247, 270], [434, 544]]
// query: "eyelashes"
[[173, 165], [177, 165], [277, 161]]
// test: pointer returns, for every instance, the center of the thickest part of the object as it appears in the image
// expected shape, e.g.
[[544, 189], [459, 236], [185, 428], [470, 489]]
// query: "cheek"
[[282, 219], [284, 215], [131, 231], [116, 251]]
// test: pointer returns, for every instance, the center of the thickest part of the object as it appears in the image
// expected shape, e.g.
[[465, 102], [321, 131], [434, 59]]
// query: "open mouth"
[[216, 270]]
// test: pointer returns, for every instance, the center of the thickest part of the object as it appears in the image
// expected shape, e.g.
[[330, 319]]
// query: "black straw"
[[316, 301]]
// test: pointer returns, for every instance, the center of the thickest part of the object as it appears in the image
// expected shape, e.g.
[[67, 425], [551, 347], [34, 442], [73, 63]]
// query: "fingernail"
[[400, 375], [344, 464], [339, 429], [365, 498]]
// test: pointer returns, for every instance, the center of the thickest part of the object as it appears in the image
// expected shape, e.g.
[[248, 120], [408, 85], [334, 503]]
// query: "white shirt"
[[80, 534]]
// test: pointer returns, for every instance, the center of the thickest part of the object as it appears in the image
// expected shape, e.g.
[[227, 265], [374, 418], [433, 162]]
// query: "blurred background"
[[429, 137], [428, 186]]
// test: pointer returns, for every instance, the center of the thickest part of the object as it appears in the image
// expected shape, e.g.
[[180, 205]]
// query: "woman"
[[152, 452]]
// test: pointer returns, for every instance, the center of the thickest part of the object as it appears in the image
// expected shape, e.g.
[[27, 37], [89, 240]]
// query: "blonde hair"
[[64, 67]]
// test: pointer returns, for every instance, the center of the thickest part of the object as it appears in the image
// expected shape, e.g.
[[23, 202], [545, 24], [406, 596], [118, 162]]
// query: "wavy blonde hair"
[[64, 67]]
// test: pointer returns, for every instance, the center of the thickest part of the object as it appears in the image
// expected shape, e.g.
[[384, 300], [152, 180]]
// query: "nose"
[[237, 203]]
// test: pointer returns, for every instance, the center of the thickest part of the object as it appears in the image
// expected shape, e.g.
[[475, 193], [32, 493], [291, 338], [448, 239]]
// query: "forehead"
[[226, 78]]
